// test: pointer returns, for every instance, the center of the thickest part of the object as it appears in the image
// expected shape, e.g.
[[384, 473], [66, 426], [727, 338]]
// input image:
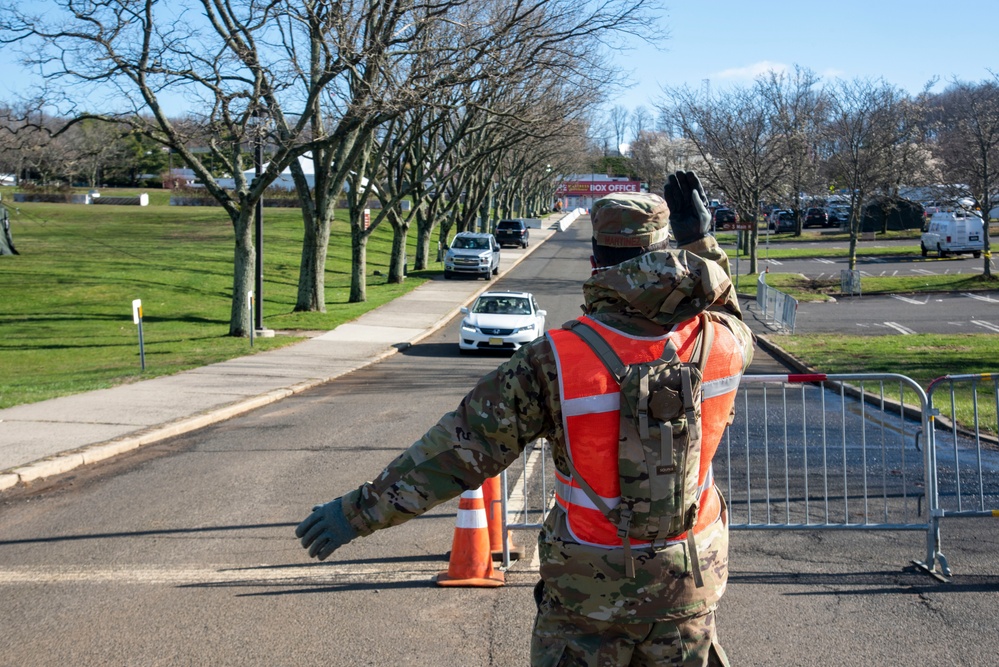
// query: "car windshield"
[[502, 305], [509, 225], [471, 243]]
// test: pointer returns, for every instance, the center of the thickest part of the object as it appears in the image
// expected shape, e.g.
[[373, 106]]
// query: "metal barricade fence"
[[805, 452], [963, 429], [776, 306], [525, 499]]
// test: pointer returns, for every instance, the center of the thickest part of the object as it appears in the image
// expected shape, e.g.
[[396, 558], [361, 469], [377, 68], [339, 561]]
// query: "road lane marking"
[[260, 575], [825, 261], [906, 331], [912, 301], [986, 325], [980, 297], [924, 272]]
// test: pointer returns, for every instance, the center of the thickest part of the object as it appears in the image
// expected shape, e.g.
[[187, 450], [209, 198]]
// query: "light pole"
[[258, 232]]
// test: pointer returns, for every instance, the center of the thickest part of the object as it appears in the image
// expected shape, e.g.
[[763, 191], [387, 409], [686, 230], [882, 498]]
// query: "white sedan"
[[501, 321]]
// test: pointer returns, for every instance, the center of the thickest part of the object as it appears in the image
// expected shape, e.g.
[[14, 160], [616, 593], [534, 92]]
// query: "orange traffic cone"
[[494, 517], [470, 563]]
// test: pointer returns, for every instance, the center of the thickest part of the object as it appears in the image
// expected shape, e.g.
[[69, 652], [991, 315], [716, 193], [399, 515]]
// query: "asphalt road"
[[183, 552], [828, 268]]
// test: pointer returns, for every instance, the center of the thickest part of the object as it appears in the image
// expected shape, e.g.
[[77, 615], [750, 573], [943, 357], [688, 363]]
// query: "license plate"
[[495, 341], [972, 238]]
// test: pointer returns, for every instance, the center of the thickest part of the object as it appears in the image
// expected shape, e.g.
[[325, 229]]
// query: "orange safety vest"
[[590, 402]]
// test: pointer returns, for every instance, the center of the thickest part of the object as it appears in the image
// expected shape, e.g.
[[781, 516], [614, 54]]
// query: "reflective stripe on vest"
[[590, 402]]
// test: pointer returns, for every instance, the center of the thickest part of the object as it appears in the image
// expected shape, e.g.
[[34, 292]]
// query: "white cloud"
[[750, 72]]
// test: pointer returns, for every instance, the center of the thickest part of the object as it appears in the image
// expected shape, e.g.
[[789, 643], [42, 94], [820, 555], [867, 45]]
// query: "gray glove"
[[689, 217], [325, 530]]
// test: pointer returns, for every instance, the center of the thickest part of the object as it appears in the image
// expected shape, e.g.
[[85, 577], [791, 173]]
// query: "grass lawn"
[[804, 288], [66, 313], [922, 357]]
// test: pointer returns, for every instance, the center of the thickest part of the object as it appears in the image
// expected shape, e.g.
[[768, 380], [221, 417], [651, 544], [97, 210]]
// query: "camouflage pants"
[[563, 639]]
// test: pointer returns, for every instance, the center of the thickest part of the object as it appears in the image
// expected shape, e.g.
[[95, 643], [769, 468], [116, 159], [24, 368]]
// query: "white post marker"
[[249, 305], [137, 319]]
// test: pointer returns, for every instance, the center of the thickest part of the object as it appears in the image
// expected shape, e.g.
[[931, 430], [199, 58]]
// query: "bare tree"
[[967, 134], [796, 106], [641, 121], [218, 55], [655, 155], [743, 151], [868, 122], [619, 117]]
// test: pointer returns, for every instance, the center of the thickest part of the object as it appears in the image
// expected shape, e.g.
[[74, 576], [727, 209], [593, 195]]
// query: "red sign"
[[596, 188]]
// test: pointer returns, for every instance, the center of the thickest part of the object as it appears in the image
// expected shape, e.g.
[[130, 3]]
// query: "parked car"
[[472, 254], [838, 215], [954, 232], [781, 221], [513, 232], [816, 217], [501, 321], [724, 219]]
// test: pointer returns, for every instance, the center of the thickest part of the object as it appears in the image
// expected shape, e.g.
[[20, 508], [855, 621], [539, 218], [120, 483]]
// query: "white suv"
[[472, 254]]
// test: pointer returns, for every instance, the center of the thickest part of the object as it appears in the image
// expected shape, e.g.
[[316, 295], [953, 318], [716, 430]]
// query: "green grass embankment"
[[66, 315]]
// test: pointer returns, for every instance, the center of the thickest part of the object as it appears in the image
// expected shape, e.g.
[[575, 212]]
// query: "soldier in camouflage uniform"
[[589, 612]]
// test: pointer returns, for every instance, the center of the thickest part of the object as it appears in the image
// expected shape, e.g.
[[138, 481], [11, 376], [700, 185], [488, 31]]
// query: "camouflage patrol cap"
[[630, 220]]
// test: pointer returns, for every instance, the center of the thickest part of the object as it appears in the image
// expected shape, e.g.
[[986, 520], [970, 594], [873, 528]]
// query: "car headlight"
[[466, 326], [529, 327]]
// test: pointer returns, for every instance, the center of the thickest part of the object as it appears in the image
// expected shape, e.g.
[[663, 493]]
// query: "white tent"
[[285, 180]]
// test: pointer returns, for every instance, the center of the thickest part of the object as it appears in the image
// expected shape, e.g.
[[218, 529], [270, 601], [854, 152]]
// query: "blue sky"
[[730, 41]]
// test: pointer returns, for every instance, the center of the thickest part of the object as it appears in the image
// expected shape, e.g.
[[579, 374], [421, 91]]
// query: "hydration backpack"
[[659, 453]]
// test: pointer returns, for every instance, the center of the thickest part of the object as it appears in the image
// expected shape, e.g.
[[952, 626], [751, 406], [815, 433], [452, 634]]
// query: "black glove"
[[689, 217], [325, 530]]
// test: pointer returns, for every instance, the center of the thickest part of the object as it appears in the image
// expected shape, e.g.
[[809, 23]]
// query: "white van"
[[953, 232]]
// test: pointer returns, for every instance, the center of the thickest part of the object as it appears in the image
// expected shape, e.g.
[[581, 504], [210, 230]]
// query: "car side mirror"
[[464, 310], [543, 313]]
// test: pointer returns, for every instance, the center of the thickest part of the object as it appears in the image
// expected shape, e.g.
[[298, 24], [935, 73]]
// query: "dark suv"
[[725, 219], [781, 221], [816, 216], [512, 232]]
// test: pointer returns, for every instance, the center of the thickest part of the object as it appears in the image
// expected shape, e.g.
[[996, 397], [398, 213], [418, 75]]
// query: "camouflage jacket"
[[518, 402]]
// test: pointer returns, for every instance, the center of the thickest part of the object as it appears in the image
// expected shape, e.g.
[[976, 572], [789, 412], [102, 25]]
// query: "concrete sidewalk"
[[51, 437]]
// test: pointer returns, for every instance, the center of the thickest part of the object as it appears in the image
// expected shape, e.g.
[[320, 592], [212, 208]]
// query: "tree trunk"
[[241, 320], [754, 234], [987, 254], [358, 259], [312, 268], [397, 262]]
